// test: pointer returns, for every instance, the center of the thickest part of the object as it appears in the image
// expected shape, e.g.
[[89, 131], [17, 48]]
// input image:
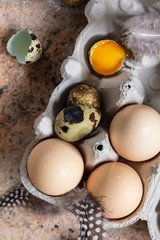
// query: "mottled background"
[[24, 95]]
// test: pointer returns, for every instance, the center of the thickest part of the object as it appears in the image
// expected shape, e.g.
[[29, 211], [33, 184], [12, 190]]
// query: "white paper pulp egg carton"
[[139, 86]]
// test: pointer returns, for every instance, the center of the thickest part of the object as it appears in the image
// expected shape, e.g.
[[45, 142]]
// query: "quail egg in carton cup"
[[101, 129]]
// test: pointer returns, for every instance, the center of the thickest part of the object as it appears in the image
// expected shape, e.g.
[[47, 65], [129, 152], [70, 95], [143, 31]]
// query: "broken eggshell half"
[[25, 46], [75, 70]]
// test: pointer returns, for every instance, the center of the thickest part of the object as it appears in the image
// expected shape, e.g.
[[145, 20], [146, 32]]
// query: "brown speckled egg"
[[75, 122], [84, 94]]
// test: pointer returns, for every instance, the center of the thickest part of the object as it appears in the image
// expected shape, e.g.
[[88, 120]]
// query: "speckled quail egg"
[[75, 122], [84, 94], [25, 46]]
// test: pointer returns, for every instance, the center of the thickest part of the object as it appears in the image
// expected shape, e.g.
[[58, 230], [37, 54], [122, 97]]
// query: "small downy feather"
[[142, 34]]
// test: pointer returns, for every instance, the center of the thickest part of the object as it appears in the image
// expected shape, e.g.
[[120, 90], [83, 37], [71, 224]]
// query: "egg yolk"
[[106, 57]]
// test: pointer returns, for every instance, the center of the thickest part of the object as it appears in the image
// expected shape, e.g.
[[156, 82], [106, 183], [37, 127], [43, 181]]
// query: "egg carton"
[[131, 85]]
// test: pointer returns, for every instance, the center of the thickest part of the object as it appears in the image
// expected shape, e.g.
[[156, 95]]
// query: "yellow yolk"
[[106, 57]]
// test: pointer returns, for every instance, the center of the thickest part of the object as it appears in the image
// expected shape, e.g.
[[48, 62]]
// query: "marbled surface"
[[24, 94]]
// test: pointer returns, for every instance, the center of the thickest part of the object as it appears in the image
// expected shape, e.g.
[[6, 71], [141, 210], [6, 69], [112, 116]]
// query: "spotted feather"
[[90, 214], [79, 201], [15, 197]]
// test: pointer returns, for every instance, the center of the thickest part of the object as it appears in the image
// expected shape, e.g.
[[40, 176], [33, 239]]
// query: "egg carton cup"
[[130, 85]]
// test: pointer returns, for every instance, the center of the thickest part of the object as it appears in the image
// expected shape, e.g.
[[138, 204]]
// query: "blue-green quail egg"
[[75, 122], [25, 46]]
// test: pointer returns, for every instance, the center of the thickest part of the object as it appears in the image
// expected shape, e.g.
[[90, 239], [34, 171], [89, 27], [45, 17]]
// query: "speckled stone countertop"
[[24, 94]]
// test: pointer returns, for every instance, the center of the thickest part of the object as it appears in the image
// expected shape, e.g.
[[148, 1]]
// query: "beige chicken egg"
[[135, 132], [118, 188], [55, 167]]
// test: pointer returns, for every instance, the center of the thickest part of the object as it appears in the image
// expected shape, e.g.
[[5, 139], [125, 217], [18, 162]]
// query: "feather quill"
[[142, 34]]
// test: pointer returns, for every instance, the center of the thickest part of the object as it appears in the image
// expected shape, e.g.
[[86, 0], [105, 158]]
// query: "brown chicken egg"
[[135, 132], [118, 188], [55, 167]]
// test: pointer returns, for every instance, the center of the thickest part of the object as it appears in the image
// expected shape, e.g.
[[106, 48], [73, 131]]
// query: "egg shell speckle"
[[34, 51]]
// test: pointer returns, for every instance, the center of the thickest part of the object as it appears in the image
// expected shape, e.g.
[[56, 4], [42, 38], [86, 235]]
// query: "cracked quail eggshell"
[[25, 46]]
